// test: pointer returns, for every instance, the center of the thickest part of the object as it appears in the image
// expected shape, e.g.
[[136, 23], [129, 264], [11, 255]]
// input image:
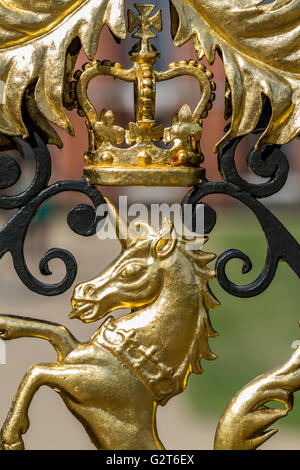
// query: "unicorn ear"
[[164, 244], [145, 229]]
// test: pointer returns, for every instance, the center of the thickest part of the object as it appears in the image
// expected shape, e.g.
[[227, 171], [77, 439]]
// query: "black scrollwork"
[[82, 219], [269, 162]]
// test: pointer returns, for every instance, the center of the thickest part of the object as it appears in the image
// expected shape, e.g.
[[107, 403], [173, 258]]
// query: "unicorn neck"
[[170, 323]]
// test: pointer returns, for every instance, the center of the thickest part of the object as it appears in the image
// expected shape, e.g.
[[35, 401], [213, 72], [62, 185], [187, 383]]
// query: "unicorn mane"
[[200, 347], [198, 260]]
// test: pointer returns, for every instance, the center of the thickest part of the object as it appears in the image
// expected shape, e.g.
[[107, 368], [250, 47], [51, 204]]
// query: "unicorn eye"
[[131, 271], [89, 290]]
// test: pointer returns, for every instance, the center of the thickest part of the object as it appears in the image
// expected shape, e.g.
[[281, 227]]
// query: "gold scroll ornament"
[[245, 422]]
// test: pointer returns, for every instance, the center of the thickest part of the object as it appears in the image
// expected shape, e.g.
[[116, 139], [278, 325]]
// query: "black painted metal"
[[269, 162], [82, 219]]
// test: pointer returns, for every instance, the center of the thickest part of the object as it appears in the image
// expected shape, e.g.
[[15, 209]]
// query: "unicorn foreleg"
[[17, 421], [69, 380], [13, 327]]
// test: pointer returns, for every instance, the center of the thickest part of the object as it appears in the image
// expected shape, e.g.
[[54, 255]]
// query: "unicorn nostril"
[[89, 290]]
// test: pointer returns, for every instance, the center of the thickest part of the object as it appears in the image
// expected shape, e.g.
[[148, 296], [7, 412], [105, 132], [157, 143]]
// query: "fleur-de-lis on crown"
[[141, 162]]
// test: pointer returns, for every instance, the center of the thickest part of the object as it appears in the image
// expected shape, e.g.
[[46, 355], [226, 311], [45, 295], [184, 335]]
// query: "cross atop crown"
[[145, 22], [147, 153]]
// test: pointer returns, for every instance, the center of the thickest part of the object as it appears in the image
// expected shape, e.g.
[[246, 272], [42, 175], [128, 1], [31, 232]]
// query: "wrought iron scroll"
[[269, 162], [81, 219]]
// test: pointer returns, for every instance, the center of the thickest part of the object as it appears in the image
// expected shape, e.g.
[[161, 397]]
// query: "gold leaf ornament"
[[35, 36], [260, 48]]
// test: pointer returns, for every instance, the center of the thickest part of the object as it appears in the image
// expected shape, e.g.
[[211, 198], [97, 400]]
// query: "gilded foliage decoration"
[[259, 44], [35, 36], [260, 47]]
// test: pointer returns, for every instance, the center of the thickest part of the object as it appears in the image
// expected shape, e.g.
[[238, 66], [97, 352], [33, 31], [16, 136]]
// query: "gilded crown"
[[141, 162]]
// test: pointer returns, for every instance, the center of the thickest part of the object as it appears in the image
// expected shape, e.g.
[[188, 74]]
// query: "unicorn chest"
[[144, 362]]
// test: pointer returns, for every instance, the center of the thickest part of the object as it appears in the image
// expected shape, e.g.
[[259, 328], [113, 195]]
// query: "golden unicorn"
[[114, 383]]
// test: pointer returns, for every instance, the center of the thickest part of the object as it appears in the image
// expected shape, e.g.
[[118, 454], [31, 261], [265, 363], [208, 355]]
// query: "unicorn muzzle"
[[83, 309]]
